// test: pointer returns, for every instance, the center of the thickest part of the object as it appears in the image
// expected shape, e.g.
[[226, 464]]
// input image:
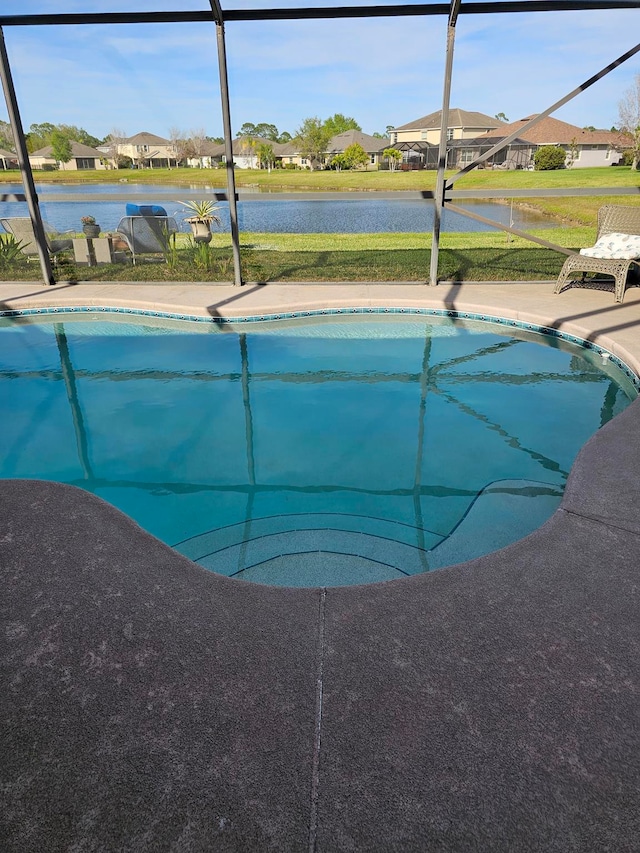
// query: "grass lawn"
[[480, 256], [335, 257]]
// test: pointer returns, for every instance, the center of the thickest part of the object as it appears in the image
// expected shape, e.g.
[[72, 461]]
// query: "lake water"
[[272, 214]]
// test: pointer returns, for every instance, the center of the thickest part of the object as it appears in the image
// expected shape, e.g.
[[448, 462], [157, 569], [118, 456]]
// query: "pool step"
[[338, 549], [370, 557], [198, 547]]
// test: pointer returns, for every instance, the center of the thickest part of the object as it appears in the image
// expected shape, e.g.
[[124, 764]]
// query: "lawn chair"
[[146, 230], [617, 248], [22, 229]]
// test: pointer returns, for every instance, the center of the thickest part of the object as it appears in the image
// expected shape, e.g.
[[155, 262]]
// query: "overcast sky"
[[383, 71]]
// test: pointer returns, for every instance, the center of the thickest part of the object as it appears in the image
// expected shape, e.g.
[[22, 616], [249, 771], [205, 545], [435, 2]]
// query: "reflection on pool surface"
[[327, 451]]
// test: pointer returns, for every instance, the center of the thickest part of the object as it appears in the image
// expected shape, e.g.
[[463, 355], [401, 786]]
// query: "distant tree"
[[196, 142], [6, 136], [78, 134], [501, 117], [218, 140], [313, 138], [61, 146], [573, 151], [393, 156], [248, 147], [629, 119], [263, 130], [179, 143], [266, 158], [338, 123], [339, 162], [356, 156], [549, 157], [388, 129], [39, 136], [589, 127], [380, 135], [284, 137], [113, 139], [266, 131]]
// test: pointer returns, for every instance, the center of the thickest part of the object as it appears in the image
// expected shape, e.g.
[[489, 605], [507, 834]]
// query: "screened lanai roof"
[[247, 10]]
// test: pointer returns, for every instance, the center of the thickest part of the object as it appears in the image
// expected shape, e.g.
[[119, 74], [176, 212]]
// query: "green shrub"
[[549, 157], [10, 251], [627, 157], [339, 162]]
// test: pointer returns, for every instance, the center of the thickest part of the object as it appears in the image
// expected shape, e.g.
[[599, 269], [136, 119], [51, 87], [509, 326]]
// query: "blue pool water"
[[324, 451]]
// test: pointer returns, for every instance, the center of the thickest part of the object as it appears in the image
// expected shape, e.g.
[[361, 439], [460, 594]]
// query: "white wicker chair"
[[612, 218]]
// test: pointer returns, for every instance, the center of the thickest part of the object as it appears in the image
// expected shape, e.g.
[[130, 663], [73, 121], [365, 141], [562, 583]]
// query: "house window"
[[423, 134], [467, 156], [303, 161], [373, 159], [449, 134], [607, 156], [85, 162]]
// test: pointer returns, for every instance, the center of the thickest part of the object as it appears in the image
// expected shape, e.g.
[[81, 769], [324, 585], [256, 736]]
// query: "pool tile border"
[[320, 312]]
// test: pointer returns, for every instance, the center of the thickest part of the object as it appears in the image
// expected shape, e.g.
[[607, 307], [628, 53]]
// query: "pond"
[[271, 215]]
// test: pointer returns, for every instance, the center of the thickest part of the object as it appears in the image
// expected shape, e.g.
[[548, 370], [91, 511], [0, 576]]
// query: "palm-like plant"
[[202, 210], [203, 215]]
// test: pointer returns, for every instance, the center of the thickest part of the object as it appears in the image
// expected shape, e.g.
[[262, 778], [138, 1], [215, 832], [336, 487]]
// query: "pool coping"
[[584, 313], [490, 705]]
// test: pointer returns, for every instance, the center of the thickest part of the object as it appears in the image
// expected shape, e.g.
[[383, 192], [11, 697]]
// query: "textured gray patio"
[[149, 705]]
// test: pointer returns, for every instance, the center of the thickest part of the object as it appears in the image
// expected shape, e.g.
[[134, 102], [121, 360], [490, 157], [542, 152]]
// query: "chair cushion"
[[145, 210], [615, 246]]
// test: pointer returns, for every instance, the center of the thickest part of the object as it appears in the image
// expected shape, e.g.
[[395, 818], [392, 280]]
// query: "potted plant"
[[203, 215], [90, 226]]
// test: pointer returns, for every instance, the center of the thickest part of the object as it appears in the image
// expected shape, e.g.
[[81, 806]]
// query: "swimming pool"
[[321, 451]]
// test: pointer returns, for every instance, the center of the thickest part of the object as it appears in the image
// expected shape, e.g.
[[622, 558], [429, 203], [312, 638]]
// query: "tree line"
[[311, 138]]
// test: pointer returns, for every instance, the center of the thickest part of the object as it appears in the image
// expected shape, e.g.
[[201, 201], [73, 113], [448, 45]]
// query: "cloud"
[[382, 71], [528, 63]]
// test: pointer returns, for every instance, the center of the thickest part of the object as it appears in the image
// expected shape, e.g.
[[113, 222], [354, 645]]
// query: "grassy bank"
[[484, 256], [563, 236], [377, 265], [283, 179]]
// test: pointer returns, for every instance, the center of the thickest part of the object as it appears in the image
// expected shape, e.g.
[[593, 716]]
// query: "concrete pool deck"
[[149, 705]]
